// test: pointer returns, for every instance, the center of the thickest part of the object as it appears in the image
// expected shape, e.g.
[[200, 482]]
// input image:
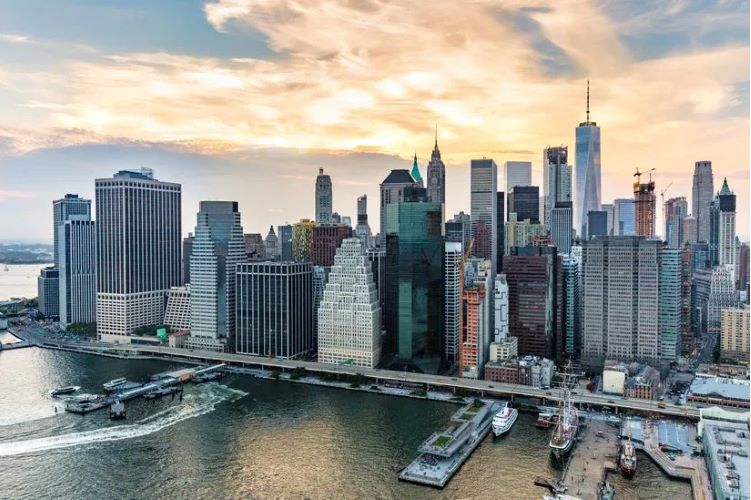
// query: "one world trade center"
[[587, 196]]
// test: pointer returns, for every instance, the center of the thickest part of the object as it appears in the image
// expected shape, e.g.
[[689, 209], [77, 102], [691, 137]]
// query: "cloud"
[[7, 195]]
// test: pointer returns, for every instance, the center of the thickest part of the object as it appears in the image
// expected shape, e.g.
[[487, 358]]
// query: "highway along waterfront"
[[246, 437]]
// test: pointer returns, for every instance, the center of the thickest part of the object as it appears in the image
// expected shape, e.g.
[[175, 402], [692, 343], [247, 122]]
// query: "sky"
[[246, 99]]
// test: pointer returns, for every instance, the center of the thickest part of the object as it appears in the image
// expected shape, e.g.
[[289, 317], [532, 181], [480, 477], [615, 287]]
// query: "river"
[[20, 280], [248, 438]]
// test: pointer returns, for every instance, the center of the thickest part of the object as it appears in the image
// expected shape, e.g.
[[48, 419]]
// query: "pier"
[[162, 384], [594, 455], [443, 453]]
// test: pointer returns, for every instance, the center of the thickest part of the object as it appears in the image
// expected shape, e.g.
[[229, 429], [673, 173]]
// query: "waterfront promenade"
[[435, 382]]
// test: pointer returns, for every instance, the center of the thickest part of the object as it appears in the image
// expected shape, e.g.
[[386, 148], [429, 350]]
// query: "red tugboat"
[[627, 458]]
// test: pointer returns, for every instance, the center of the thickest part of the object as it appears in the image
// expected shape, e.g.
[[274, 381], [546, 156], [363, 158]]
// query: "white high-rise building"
[[518, 173], [218, 248], [139, 242], [453, 268], [349, 316], [77, 266]]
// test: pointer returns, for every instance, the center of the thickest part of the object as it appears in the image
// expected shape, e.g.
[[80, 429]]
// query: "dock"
[[443, 453], [160, 385], [594, 455]]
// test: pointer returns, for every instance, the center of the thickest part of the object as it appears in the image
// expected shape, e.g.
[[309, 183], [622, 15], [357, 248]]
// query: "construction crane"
[[639, 174], [662, 193]]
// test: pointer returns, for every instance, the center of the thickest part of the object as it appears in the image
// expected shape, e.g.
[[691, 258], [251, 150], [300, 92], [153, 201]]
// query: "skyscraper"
[[415, 172], [274, 309], [48, 292], [597, 224], [676, 209], [70, 207], [77, 266], [572, 303], [436, 175], [271, 243], [726, 249], [414, 283], [524, 201], [518, 173], [483, 199], [722, 295], [362, 230], [453, 269], [466, 224], [609, 209], [187, 250], [587, 170], [324, 198], [349, 316], [742, 268], [474, 328], [392, 191], [620, 299], [624, 217], [556, 174], [326, 239], [138, 250], [285, 242], [644, 208], [670, 303], [561, 225], [690, 230], [500, 232], [701, 198], [302, 240], [218, 248]]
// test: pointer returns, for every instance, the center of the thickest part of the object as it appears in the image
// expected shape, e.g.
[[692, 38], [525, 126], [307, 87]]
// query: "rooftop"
[[399, 176], [726, 449], [727, 388]]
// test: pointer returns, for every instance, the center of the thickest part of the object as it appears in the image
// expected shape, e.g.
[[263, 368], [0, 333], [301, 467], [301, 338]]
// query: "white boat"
[[113, 384], [504, 419]]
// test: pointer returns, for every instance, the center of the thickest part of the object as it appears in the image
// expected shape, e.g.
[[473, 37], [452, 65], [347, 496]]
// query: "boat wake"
[[193, 405]]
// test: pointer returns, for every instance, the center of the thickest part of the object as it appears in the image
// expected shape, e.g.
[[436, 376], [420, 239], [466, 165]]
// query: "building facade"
[[362, 229], [392, 191], [726, 237], [453, 269], [670, 303], [436, 176], [734, 334], [324, 198], [644, 208], [524, 201], [561, 225], [177, 312], [48, 290], [556, 182], [274, 309], [517, 173], [701, 198], [676, 209], [77, 266], [483, 199], [218, 248], [69, 207], [326, 240], [138, 250], [587, 174], [302, 240], [624, 217], [349, 316]]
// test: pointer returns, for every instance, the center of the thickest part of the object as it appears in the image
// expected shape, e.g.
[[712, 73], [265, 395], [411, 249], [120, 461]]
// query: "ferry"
[[114, 384], [68, 389], [504, 419]]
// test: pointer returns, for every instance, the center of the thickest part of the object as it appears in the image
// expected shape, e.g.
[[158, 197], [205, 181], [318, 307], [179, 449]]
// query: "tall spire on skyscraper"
[[416, 171], [587, 101], [436, 135]]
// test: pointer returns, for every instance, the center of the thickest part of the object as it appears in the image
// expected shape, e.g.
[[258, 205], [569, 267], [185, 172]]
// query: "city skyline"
[[192, 111]]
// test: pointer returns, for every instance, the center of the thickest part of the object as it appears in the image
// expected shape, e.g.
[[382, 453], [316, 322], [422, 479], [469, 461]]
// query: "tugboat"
[[504, 419], [627, 458], [567, 427], [68, 389], [117, 410]]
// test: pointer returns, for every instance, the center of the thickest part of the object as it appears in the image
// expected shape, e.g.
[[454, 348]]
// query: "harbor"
[[121, 390], [593, 457], [443, 453]]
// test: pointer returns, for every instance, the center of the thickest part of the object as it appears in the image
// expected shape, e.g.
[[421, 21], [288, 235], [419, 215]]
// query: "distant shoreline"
[[24, 262]]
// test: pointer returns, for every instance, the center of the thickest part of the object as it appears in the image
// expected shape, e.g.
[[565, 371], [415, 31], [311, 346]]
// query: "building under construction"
[[645, 203]]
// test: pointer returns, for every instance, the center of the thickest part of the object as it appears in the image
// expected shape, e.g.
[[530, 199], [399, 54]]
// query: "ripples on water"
[[265, 439]]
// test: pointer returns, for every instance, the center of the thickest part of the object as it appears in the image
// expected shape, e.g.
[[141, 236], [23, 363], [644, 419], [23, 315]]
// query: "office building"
[[302, 240], [726, 237], [454, 232], [392, 191], [436, 175], [414, 283], [465, 222], [687, 333], [349, 316], [620, 299], [734, 334], [324, 198], [274, 309], [521, 233], [742, 268], [70, 207], [500, 233], [535, 299], [138, 251], [556, 174], [561, 225], [517, 173], [483, 198], [690, 233], [285, 242], [474, 328], [722, 295], [701, 198], [644, 208], [255, 248], [624, 217], [587, 174], [453, 269], [481, 244], [218, 248], [77, 271], [271, 244], [377, 259], [48, 290], [177, 312], [670, 304], [571, 265], [187, 250], [524, 201], [609, 209], [318, 279], [362, 230], [676, 210], [326, 240], [597, 224]]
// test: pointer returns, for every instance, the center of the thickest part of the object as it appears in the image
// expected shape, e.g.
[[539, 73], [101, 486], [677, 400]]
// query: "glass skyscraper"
[[587, 195], [414, 283]]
